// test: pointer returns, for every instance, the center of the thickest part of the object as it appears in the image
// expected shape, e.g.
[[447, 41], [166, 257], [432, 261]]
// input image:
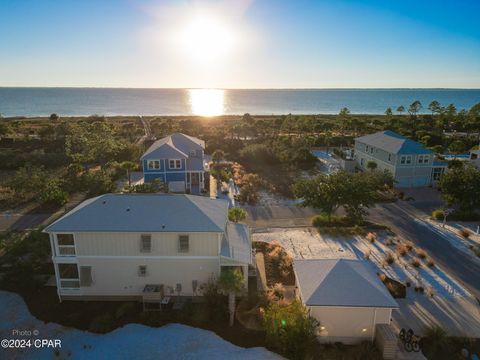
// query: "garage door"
[[176, 186], [403, 182], [420, 181]]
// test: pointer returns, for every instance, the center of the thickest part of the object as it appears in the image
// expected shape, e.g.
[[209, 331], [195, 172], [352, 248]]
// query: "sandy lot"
[[445, 301]]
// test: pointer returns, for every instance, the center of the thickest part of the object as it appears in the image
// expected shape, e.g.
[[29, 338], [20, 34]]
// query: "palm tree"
[[236, 214], [401, 109], [231, 281], [128, 166], [218, 155]]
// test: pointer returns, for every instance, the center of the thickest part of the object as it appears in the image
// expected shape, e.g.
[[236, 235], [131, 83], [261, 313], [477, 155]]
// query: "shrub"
[[431, 292], [430, 263], [421, 253], [236, 214], [415, 263], [367, 254], [53, 194], [402, 250], [437, 214], [389, 258], [294, 336], [465, 232], [372, 237], [249, 194], [322, 220], [278, 291]]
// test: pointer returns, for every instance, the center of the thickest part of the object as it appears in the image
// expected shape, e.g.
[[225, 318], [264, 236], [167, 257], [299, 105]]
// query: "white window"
[[153, 164], [426, 159], [420, 159], [366, 148], [146, 243], [66, 244], [174, 164], [86, 276], [361, 161], [405, 159], [142, 270], [183, 243], [371, 150], [68, 276], [389, 157]]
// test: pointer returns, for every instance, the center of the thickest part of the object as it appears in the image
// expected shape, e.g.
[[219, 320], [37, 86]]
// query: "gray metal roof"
[[145, 213], [173, 145], [393, 143], [341, 282], [236, 244]]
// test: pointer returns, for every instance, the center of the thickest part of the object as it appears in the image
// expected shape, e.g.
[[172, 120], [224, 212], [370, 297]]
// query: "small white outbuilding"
[[345, 296]]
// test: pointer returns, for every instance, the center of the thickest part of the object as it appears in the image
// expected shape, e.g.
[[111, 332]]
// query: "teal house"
[[179, 161]]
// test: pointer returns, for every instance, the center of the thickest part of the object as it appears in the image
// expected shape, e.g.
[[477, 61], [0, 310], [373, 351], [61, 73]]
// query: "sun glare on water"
[[206, 102]]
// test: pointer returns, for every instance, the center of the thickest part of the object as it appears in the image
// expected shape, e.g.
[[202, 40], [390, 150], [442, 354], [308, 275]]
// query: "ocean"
[[209, 102]]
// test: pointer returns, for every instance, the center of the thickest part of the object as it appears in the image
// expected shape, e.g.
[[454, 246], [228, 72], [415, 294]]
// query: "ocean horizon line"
[[240, 88]]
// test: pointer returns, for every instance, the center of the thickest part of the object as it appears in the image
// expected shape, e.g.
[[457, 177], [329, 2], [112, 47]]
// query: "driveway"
[[405, 220], [278, 216], [31, 218]]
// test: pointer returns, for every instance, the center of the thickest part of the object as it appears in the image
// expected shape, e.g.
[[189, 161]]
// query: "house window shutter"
[[86, 276], [146, 243]]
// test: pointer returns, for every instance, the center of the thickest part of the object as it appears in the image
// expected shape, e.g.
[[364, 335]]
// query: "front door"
[[195, 178]]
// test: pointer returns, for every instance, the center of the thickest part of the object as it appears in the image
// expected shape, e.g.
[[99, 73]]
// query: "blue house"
[[177, 160], [410, 163]]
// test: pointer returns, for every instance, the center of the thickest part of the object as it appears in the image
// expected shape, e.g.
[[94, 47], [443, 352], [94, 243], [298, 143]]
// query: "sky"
[[240, 43]]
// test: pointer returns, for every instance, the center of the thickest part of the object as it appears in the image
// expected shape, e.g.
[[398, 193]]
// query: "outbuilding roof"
[[340, 282], [177, 144], [145, 213], [393, 143]]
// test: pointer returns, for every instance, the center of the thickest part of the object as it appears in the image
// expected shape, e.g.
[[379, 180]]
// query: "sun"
[[206, 37]]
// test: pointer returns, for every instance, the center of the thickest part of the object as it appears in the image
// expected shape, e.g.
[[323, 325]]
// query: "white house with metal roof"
[[178, 160], [345, 296], [411, 164], [118, 245]]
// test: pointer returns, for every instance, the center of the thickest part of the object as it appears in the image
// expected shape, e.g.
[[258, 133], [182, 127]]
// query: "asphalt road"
[[402, 220]]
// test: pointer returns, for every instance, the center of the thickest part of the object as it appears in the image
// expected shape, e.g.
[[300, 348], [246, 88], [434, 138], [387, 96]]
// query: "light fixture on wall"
[[364, 330]]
